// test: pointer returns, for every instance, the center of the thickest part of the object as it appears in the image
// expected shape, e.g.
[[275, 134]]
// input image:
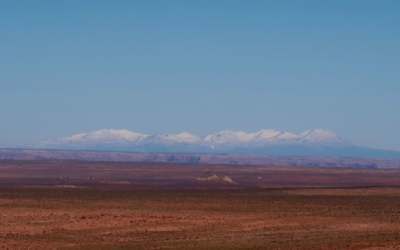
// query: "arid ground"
[[182, 175], [89, 205]]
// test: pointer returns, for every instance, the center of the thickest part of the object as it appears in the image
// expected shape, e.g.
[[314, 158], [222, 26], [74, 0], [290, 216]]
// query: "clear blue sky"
[[200, 66]]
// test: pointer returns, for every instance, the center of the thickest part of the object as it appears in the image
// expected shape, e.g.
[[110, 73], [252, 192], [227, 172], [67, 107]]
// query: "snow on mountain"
[[187, 137], [227, 138], [170, 139], [286, 136], [265, 134], [318, 134], [73, 137], [270, 137], [223, 141], [156, 140], [106, 135], [322, 137], [181, 137], [95, 140]]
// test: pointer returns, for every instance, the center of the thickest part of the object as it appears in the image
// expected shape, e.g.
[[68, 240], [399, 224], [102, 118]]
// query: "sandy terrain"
[[100, 218], [94, 205]]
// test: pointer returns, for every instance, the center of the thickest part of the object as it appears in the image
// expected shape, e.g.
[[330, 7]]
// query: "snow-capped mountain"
[[271, 137], [105, 136], [227, 138], [264, 142], [265, 134], [321, 137], [183, 137], [169, 139]]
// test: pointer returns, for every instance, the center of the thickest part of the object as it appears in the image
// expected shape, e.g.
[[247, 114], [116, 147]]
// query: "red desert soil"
[[160, 206], [110, 218], [178, 176]]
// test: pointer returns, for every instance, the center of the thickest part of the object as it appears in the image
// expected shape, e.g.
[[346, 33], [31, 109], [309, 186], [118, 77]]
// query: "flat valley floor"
[[38, 210]]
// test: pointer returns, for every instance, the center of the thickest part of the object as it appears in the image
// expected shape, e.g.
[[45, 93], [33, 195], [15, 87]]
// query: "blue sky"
[[200, 66]]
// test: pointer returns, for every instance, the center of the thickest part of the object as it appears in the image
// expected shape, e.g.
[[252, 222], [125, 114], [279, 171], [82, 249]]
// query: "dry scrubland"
[[99, 218], [160, 206], [145, 175]]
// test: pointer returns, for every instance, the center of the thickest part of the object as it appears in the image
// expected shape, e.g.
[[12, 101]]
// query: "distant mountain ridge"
[[316, 142], [225, 139]]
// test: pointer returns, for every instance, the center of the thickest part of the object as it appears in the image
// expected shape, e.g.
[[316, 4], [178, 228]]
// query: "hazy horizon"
[[201, 67]]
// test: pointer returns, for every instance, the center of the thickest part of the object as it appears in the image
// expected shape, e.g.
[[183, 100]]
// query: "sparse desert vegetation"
[[162, 206], [104, 218], [153, 175]]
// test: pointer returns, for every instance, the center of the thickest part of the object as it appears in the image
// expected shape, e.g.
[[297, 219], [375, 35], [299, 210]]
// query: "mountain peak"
[[186, 135], [106, 135], [182, 137], [220, 142], [323, 137], [265, 134], [228, 137], [318, 134]]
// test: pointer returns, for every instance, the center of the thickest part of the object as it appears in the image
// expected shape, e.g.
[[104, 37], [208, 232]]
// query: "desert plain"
[[55, 204]]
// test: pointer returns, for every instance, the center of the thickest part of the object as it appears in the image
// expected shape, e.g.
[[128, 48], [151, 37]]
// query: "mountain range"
[[267, 142]]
